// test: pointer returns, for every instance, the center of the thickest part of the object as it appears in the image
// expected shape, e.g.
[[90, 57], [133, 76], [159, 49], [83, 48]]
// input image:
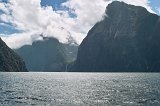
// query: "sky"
[[22, 21]]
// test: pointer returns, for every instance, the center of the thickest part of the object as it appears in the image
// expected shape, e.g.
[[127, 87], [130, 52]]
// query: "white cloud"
[[18, 40], [29, 17], [3, 7], [158, 9], [32, 19], [88, 12], [143, 3]]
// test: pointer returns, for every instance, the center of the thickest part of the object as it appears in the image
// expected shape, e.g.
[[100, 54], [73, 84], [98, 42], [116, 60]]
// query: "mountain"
[[48, 55], [126, 40], [9, 60]]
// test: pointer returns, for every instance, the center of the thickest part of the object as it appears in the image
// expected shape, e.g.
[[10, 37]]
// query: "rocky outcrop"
[[127, 39], [9, 60]]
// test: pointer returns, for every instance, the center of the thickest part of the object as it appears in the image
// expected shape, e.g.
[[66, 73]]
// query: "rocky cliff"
[[127, 39], [9, 60]]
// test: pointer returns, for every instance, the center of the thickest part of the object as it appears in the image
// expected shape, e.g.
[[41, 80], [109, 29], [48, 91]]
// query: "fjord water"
[[80, 89]]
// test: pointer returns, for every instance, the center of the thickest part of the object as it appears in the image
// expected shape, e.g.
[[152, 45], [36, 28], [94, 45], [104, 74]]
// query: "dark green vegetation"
[[127, 39], [9, 60], [48, 55]]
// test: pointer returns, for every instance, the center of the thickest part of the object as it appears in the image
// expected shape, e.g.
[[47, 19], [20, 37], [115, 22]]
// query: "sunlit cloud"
[[31, 19]]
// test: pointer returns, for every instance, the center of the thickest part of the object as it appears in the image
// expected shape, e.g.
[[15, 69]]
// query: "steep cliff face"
[[9, 60], [48, 55], [128, 39]]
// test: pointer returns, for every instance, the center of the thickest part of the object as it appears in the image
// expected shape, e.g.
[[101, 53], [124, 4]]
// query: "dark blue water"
[[79, 89]]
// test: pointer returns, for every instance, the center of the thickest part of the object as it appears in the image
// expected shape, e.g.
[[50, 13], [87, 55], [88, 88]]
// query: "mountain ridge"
[[9, 60], [126, 40], [48, 55]]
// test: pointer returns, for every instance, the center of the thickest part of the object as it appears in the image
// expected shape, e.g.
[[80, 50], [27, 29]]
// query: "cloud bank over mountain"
[[30, 19]]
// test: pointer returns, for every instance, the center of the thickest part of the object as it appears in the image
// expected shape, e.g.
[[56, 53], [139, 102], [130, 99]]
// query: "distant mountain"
[[9, 60], [127, 39], [48, 55]]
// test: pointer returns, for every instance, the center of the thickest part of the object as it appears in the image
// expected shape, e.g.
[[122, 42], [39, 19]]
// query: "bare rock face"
[[128, 39], [9, 60]]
